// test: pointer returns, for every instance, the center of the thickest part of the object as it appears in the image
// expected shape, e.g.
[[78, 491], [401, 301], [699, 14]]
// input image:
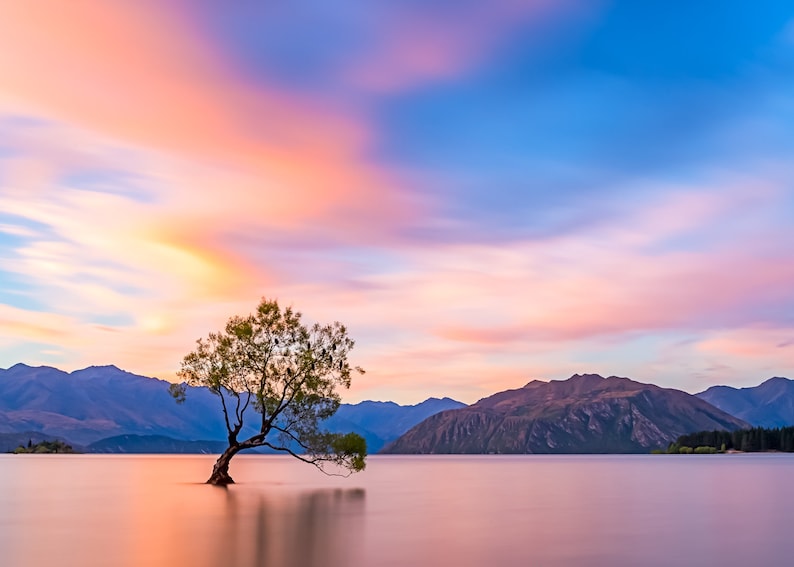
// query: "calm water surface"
[[153, 511]]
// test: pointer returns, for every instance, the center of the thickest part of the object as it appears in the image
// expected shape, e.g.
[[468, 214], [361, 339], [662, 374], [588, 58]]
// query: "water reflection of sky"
[[466, 511], [313, 528], [135, 512]]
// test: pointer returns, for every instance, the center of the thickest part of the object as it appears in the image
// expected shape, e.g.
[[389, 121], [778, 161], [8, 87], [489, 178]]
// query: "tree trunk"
[[220, 472]]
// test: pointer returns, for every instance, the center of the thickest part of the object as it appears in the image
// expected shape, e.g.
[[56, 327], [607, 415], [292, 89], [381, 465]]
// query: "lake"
[[154, 511]]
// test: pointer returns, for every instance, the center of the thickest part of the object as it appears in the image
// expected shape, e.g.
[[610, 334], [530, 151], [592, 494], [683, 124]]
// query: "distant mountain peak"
[[429, 401], [575, 380], [433, 400], [23, 366], [580, 384], [101, 370], [768, 382], [586, 380], [105, 372], [22, 369], [776, 380], [103, 367], [376, 403], [586, 377]]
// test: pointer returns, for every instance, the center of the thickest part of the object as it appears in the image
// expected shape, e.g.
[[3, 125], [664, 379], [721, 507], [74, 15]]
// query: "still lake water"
[[154, 511]]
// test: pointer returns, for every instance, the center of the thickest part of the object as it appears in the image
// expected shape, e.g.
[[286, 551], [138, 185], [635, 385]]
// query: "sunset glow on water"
[[600, 511]]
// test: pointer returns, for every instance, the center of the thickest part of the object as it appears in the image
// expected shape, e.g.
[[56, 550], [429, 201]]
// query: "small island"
[[55, 446]]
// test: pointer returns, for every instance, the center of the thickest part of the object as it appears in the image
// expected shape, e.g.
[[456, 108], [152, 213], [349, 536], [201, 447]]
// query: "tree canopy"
[[271, 371]]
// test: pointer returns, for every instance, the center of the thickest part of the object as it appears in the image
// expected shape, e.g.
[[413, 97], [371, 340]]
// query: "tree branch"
[[317, 462], [225, 411]]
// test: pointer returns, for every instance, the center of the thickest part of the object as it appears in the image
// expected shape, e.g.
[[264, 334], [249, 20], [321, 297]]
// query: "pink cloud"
[[775, 345], [414, 44], [635, 294], [614, 282]]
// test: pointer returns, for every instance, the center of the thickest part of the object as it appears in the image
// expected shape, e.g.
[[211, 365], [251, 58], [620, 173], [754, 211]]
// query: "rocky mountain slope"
[[584, 414], [770, 404]]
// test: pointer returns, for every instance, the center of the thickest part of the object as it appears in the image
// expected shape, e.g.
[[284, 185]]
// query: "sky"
[[484, 193]]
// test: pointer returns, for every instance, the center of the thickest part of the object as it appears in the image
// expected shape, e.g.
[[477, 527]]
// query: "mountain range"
[[770, 404], [584, 414], [105, 409], [100, 402], [382, 422]]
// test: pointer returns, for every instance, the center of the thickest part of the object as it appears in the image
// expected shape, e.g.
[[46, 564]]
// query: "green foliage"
[[685, 450], [287, 374], [705, 450], [45, 447], [350, 446]]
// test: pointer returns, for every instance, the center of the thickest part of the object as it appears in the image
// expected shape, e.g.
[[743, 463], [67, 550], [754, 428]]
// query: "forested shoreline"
[[756, 439]]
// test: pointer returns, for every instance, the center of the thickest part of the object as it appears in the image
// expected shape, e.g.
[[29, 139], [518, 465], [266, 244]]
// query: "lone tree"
[[271, 366]]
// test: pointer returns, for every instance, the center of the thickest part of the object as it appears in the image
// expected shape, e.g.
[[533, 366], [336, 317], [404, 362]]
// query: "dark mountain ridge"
[[584, 414]]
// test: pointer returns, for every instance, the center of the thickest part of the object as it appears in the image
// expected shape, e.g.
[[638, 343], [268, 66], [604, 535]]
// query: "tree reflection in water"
[[305, 529]]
